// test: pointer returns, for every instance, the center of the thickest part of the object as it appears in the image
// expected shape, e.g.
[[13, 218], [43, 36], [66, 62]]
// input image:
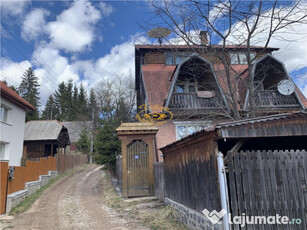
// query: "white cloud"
[[74, 28], [34, 24], [13, 7], [12, 72], [106, 9]]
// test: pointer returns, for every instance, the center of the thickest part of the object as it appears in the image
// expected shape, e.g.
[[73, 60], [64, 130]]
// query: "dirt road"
[[74, 202]]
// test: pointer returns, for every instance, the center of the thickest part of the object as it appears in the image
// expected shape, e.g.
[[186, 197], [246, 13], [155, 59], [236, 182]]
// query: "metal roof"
[[76, 127], [42, 130]]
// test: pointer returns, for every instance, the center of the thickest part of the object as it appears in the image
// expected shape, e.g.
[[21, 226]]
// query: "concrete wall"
[[191, 218], [17, 197], [12, 132]]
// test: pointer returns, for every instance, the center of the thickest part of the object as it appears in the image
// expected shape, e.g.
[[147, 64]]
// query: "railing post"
[[223, 189]]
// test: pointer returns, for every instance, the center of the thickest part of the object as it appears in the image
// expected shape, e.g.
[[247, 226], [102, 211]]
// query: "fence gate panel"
[[137, 166], [267, 183]]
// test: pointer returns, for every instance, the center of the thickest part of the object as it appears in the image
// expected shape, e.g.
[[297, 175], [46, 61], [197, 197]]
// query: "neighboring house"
[[194, 87], [75, 128], [43, 138], [12, 124]]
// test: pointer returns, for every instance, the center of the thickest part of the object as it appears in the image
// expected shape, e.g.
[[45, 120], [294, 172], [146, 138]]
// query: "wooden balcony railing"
[[273, 99], [191, 101]]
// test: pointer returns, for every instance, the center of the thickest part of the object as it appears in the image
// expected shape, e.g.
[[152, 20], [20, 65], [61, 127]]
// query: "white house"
[[12, 124]]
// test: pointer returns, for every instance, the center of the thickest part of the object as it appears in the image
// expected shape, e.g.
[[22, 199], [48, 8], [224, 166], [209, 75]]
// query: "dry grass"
[[143, 212]]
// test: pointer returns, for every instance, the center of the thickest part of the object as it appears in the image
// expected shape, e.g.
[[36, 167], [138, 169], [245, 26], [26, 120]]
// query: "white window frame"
[[199, 124], [4, 150], [4, 111]]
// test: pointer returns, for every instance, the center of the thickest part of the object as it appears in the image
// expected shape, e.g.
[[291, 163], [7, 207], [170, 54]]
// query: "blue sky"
[[89, 41]]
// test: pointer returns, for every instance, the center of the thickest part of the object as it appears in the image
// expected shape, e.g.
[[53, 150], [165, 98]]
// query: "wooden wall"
[[190, 171]]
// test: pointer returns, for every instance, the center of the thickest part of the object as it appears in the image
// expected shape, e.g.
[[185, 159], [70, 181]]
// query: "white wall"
[[12, 132]]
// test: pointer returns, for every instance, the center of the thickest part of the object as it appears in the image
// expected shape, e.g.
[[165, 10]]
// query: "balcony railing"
[[192, 101], [273, 99]]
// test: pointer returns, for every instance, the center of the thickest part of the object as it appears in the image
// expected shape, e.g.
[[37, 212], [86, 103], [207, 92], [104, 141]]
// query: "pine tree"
[[50, 112], [29, 90], [71, 115], [60, 102], [82, 104], [93, 107]]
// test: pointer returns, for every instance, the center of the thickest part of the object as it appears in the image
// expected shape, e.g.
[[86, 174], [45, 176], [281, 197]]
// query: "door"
[[138, 171]]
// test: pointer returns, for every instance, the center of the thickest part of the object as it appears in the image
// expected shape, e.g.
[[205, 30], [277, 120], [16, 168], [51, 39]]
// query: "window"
[[185, 129], [175, 58], [240, 58], [186, 87], [3, 148], [3, 113]]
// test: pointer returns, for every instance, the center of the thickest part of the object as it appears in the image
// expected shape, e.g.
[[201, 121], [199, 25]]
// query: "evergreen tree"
[[83, 144], [50, 112], [28, 89], [82, 104], [93, 107], [71, 115], [60, 102]]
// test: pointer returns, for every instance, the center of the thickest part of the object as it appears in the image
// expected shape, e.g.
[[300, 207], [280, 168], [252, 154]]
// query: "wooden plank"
[[232, 188]]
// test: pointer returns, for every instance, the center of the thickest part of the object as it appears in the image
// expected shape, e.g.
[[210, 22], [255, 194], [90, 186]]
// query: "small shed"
[[138, 157], [45, 138]]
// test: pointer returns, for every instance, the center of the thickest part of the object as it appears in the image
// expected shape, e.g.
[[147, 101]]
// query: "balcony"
[[192, 101], [273, 99]]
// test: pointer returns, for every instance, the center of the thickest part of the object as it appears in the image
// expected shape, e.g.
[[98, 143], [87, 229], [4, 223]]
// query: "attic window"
[[240, 58], [175, 58]]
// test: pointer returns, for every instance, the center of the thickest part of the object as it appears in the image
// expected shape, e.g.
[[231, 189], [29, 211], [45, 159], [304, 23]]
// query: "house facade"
[[194, 84], [43, 138], [12, 125]]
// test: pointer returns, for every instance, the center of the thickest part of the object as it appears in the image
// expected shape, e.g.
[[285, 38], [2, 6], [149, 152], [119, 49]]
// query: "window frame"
[[186, 86], [239, 59], [3, 150], [173, 57], [4, 116], [200, 125]]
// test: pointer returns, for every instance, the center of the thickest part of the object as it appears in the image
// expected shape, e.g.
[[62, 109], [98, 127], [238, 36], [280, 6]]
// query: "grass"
[[29, 200], [154, 218]]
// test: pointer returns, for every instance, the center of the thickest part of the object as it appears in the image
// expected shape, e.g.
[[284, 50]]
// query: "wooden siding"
[[3, 185], [191, 174], [268, 183]]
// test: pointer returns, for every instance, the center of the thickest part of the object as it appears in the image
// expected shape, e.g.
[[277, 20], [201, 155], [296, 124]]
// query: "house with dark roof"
[[75, 128], [43, 138], [12, 124], [193, 83]]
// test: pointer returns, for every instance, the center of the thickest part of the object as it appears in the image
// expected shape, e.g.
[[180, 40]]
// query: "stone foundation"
[[191, 218], [15, 198]]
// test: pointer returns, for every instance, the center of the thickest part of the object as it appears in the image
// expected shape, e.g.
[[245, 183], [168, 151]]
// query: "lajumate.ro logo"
[[154, 114]]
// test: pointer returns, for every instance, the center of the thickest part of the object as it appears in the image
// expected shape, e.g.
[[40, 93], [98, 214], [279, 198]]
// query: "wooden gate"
[[268, 183], [137, 167]]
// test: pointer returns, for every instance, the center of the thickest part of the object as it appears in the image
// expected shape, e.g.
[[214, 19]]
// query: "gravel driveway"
[[74, 202]]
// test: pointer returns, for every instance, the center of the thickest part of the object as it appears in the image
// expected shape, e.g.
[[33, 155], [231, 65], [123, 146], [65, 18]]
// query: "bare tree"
[[248, 23]]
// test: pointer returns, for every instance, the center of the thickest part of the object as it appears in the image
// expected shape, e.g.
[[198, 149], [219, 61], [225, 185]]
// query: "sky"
[[89, 41]]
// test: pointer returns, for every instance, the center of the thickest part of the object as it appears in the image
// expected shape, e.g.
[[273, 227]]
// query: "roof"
[[156, 79], [42, 130], [136, 126], [12, 96], [288, 124], [76, 127], [201, 47]]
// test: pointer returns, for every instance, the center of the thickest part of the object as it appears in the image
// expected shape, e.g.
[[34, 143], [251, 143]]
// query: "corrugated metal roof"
[[42, 130], [11, 95], [243, 123], [76, 127], [156, 80], [136, 126]]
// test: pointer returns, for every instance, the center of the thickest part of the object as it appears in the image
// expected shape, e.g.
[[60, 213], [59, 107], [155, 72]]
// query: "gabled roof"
[[76, 127], [156, 80], [42, 130], [202, 47], [12, 96]]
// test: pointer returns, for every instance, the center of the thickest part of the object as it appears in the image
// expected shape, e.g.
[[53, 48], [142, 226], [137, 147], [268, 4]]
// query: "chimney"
[[204, 37]]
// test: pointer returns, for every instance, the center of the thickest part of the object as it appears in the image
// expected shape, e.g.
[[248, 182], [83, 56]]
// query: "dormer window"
[[175, 58], [186, 87], [240, 58]]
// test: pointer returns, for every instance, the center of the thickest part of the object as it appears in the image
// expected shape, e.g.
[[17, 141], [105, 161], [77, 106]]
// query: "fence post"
[[223, 189]]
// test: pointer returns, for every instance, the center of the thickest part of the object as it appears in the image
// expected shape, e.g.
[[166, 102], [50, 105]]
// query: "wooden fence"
[[159, 180], [66, 162], [268, 183], [3, 185]]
